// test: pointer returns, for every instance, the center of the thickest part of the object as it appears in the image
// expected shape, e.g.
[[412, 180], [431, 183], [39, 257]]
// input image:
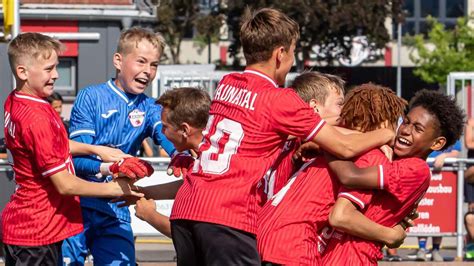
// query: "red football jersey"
[[289, 222], [37, 141], [282, 169], [404, 181], [250, 119]]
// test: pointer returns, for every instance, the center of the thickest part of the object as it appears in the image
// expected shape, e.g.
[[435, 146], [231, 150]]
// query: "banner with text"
[[437, 209]]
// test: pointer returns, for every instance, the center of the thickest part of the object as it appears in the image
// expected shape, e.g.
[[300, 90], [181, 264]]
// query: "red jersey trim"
[[315, 130], [380, 181], [353, 199], [54, 170]]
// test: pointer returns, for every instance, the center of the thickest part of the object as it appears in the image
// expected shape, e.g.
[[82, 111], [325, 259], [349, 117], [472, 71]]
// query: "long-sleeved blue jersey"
[[105, 115]]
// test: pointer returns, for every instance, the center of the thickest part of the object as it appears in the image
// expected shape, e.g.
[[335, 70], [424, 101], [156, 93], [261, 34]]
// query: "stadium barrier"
[[437, 217]]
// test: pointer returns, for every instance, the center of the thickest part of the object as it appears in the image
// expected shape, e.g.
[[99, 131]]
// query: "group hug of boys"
[[283, 176]]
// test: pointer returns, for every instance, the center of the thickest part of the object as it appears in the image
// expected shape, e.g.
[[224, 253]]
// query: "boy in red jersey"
[[289, 222], [214, 216], [184, 117], [433, 122], [325, 94], [43, 211]]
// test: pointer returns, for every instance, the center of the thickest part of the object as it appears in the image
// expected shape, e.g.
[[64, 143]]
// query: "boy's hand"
[[108, 154], [397, 237], [132, 167], [127, 187], [388, 151], [144, 207], [125, 201], [306, 151], [179, 165]]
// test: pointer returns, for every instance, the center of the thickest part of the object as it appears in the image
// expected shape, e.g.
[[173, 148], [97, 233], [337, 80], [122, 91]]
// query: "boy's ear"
[[313, 103], [118, 61], [21, 72], [278, 54], [438, 143]]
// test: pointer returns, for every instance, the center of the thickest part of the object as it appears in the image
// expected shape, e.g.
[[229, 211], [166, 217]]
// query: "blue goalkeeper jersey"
[[104, 115]]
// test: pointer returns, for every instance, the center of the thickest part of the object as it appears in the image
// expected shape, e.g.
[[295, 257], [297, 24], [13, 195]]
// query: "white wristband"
[[105, 169]]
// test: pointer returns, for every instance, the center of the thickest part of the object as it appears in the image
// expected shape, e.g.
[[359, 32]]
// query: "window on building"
[[417, 11], [66, 83]]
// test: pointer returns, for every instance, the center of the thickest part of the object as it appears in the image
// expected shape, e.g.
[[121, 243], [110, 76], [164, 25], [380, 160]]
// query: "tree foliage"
[[329, 25], [444, 50], [175, 17]]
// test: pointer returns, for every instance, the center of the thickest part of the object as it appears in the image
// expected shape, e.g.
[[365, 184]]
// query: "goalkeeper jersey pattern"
[[105, 115]]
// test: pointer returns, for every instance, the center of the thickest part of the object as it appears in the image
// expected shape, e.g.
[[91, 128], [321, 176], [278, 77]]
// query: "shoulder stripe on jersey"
[[353, 198], [263, 76], [315, 130], [381, 177], [53, 169], [82, 131], [116, 90], [154, 126], [30, 98]]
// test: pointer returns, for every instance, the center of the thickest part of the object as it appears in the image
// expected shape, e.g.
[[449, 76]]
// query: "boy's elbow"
[[65, 190], [337, 219]]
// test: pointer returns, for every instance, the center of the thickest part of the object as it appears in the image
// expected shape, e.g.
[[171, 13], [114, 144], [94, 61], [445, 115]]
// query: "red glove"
[[131, 167], [179, 165]]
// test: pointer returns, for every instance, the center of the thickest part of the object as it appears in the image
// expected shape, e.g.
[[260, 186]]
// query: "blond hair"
[[265, 30], [30, 46], [130, 38], [316, 85]]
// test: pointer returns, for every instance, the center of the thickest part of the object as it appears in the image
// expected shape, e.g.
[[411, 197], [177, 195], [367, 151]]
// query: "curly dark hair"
[[368, 105], [450, 116]]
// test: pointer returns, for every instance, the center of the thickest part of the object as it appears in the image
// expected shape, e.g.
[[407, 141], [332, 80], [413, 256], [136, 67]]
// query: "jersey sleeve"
[[362, 197], [86, 165], [400, 176], [295, 117], [154, 129], [49, 149], [82, 115]]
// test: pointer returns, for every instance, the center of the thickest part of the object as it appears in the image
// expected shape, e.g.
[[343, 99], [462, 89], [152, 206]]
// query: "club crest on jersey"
[[136, 117]]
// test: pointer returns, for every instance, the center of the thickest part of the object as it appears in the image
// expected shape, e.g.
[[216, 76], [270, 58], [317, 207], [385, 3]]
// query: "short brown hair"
[[186, 105], [265, 30], [316, 85], [131, 37], [31, 46], [368, 105]]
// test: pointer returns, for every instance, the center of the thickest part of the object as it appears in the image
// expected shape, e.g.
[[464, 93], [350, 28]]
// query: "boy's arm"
[[68, 184], [156, 192], [347, 218], [348, 146], [352, 176], [146, 210], [107, 154], [86, 165]]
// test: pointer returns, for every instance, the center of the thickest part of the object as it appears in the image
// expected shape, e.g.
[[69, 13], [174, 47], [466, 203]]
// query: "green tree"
[[330, 25], [176, 17], [444, 50]]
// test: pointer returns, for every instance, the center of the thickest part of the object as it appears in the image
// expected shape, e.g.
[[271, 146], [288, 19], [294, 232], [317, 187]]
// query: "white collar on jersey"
[[31, 98], [120, 93], [261, 75]]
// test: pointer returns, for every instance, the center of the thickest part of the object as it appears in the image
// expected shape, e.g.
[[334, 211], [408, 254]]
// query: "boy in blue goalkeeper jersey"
[[116, 113]]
